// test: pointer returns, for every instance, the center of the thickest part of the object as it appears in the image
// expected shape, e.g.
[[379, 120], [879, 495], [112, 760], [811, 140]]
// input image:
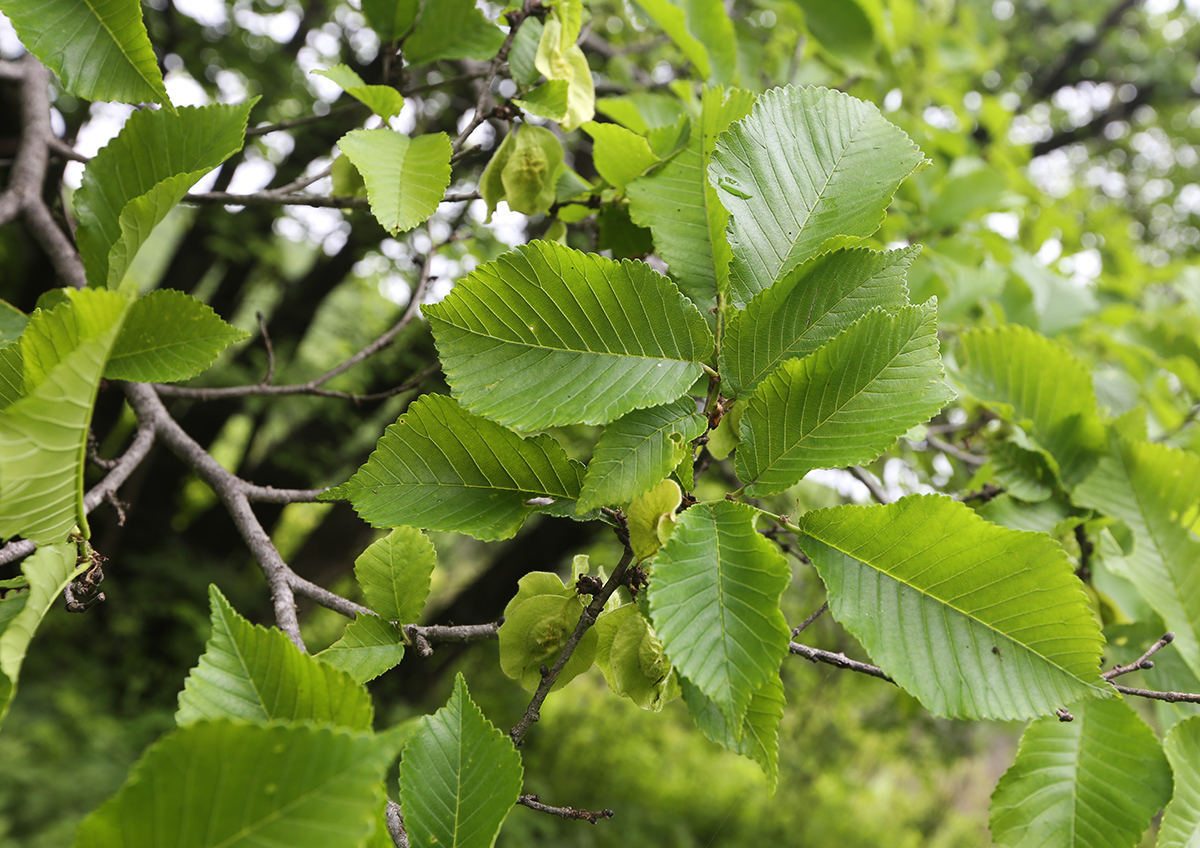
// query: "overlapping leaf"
[[250, 673], [975, 620], [441, 468], [452, 29], [811, 305], [1181, 822], [546, 335], [217, 784], [1095, 781], [406, 177], [806, 166], [459, 777], [758, 735], [846, 403], [714, 600], [134, 181], [368, 647], [394, 574]]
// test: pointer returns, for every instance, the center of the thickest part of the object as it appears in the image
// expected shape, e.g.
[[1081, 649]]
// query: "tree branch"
[[1141, 662], [840, 660], [868, 479], [534, 802], [1169, 697]]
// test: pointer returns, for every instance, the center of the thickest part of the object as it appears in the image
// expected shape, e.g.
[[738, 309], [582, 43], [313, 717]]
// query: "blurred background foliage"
[[1064, 194]]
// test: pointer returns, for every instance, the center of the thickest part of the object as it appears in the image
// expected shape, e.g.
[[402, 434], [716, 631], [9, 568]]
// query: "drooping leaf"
[[651, 516], [98, 48], [806, 166], [394, 574], [48, 570], [714, 600], [808, 307], [1095, 781], [459, 777], [1181, 823], [406, 177], [560, 58], [383, 100], [930, 589], [533, 635], [632, 659], [548, 100], [758, 735], [368, 647], [524, 171], [168, 336], [683, 210], [842, 28], [672, 20], [620, 155], [546, 335], [441, 468], [249, 673], [638, 450], [452, 29], [711, 25], [391, 18], [846, 403], [43, 435], [224, 784]]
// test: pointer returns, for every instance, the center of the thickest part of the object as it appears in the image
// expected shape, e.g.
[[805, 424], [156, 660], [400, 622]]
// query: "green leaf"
[[846, 403], [708, 21], [651, 516], [135, 180], [98, 48], [459, 777], [43, 434], [533, 634], [1181, 824], [714, 600], [548, 100], [632, 659], [758, 736], [672, 20], [683, 211], [619, 154], [1039, 385], [808, 307], [391, 19], [643, 111], [546, 335], [524, 171], [524, 52], [394, 574], [224, 784], [406, 177], [12, 323], [638, 450], [1024, 474], [168, 336], [48, 569], [1094, 781], [441, 468], [842, 28], [560, 58], [368, 647], [383, 100], [253, 674], [452, 29], [843, 163], [1151, 487], [930, 589]]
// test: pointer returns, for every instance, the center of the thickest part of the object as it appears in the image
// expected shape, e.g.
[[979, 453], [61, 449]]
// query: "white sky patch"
[[1005, 224], [104, 122], [10, 45], [843, 482], [204, 12], [183, 89], [1083, 268]]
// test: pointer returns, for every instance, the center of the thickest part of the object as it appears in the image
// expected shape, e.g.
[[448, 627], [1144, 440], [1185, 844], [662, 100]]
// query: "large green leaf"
[[1151, 487], [976, 620], [452, 29], [394, 574], [98, 48], [714, 599], [441, 468], [546, 335], [168, 336], [806, 166], [253, 674], [368, 647], [1039, 385], [135, 180], [48, 569], [406, 177], [1181, 823], [758, 735], [682, 209], [459, 777], [1095, 781], [43, 435], [808, 307], [639, 449], [230, 785], [846, 403]]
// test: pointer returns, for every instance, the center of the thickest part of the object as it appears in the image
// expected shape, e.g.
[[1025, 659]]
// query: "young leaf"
[[394, 574], [560, 58], [253, 674], [459, 777], [975, 620], [1181, 823], [368, 647], [100, 50], [168, 336], [533, 634], [807, 308], [651, 516], [758, 735], [548, 100], [714, 599], [1094, 781], [546, 335], [638, 450], [844, 404], [406, 177], [452, 29], [222, 783], [43, 433], [441, 468], [523, 171], [620, 155], [806, 166], [383, 100]]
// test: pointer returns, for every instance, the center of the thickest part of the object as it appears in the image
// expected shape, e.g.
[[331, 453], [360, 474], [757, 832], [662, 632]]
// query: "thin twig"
[[951, 450], [1169, 697], [266, 198], [868, 479], [839, 660], [534, 802], [1141, 662], [307, 119], [259, 390], [796, 631], [266, 337]]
